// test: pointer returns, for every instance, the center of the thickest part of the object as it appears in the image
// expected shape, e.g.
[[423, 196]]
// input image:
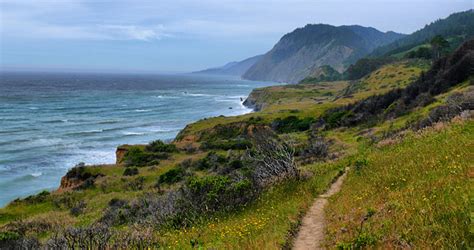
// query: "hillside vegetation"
[[404, 130], [458, 25]]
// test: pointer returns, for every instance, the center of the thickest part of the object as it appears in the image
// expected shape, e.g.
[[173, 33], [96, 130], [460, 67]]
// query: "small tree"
[[439, 45]]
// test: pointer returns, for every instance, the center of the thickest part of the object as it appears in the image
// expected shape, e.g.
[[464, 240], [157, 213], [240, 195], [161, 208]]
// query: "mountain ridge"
[[235, 68], [291, 59]]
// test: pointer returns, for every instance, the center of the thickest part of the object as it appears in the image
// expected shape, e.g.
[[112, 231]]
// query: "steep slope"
[[304, 49], [323, 73], [232, 68], [460, 25]]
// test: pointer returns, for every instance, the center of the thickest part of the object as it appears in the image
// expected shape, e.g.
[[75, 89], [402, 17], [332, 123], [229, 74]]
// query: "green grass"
[[263, 225], [268, 222], [419, 189]]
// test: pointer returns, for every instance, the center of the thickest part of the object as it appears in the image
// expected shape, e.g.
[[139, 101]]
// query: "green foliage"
[[171, 176], [459, 24], [333, 118], [360, 163], [9, 236], [422, 52], [420, 188], [130, 171], [363, 240], [137, 156], [291, 124], [160, 146], [439, 45], [214, 193], [212, 160]]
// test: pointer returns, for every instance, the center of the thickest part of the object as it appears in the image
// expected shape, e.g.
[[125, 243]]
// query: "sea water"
[[51, 121]]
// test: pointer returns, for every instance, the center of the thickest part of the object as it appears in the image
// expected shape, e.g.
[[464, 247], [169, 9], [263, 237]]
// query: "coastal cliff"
[[256, 99]]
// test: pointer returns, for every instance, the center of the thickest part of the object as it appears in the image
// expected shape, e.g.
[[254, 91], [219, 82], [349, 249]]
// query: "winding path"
[[312, 230]]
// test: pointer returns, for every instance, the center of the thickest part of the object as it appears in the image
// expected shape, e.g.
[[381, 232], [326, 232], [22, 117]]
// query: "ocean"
[[51, 121]]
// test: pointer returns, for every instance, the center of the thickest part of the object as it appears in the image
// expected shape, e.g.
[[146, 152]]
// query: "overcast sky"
[[178, 35]]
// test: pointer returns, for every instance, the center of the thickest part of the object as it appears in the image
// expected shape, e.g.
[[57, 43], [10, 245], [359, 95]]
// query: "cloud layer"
[[154, 33]]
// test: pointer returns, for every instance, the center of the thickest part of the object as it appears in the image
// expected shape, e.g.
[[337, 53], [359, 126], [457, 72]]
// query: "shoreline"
[[242, 101]]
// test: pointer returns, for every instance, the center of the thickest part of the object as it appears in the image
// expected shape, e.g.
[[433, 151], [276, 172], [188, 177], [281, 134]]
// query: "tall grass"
[[412, 194]]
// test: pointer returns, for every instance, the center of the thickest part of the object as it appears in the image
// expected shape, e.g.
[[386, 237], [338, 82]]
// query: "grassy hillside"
[[415, 192], [209, 188]]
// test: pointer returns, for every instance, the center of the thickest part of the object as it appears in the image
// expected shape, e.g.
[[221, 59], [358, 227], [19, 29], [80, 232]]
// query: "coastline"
[[242, 102]]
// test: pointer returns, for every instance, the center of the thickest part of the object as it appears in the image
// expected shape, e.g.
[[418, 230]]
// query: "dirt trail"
[[312, 230]]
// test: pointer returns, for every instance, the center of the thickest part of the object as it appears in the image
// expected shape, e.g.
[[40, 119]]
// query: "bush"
[[117, 203], [136, 156], [171, 176], [7, 236], [423, 52], [236, 164], [213, 193], [212, 160], [136, 184], [334, 119], [291, 124], [78, 209], [360, 163], [79, 172], [130, 171], [160, 146]]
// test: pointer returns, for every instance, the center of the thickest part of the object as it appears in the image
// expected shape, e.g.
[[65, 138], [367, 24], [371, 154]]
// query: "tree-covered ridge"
[[456, 25]]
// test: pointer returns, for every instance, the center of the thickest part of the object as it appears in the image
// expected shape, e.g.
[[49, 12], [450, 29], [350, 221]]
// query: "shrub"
[[360, 163], [236, 164], [334, 119], [136, 184], [78, 209], [171, 176], [291, 124], [212, 160], [7, 236], [79, 172], [423, 52], [160, 146], [318, 148], [136, 156], [117, 203], [213, 193], [130, 171]]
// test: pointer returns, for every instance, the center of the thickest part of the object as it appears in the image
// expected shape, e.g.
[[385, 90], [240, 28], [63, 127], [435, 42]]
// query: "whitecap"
[[133, 133], [163, 130], [142, 110], [165, 97], [37, 174], [197, 95]]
